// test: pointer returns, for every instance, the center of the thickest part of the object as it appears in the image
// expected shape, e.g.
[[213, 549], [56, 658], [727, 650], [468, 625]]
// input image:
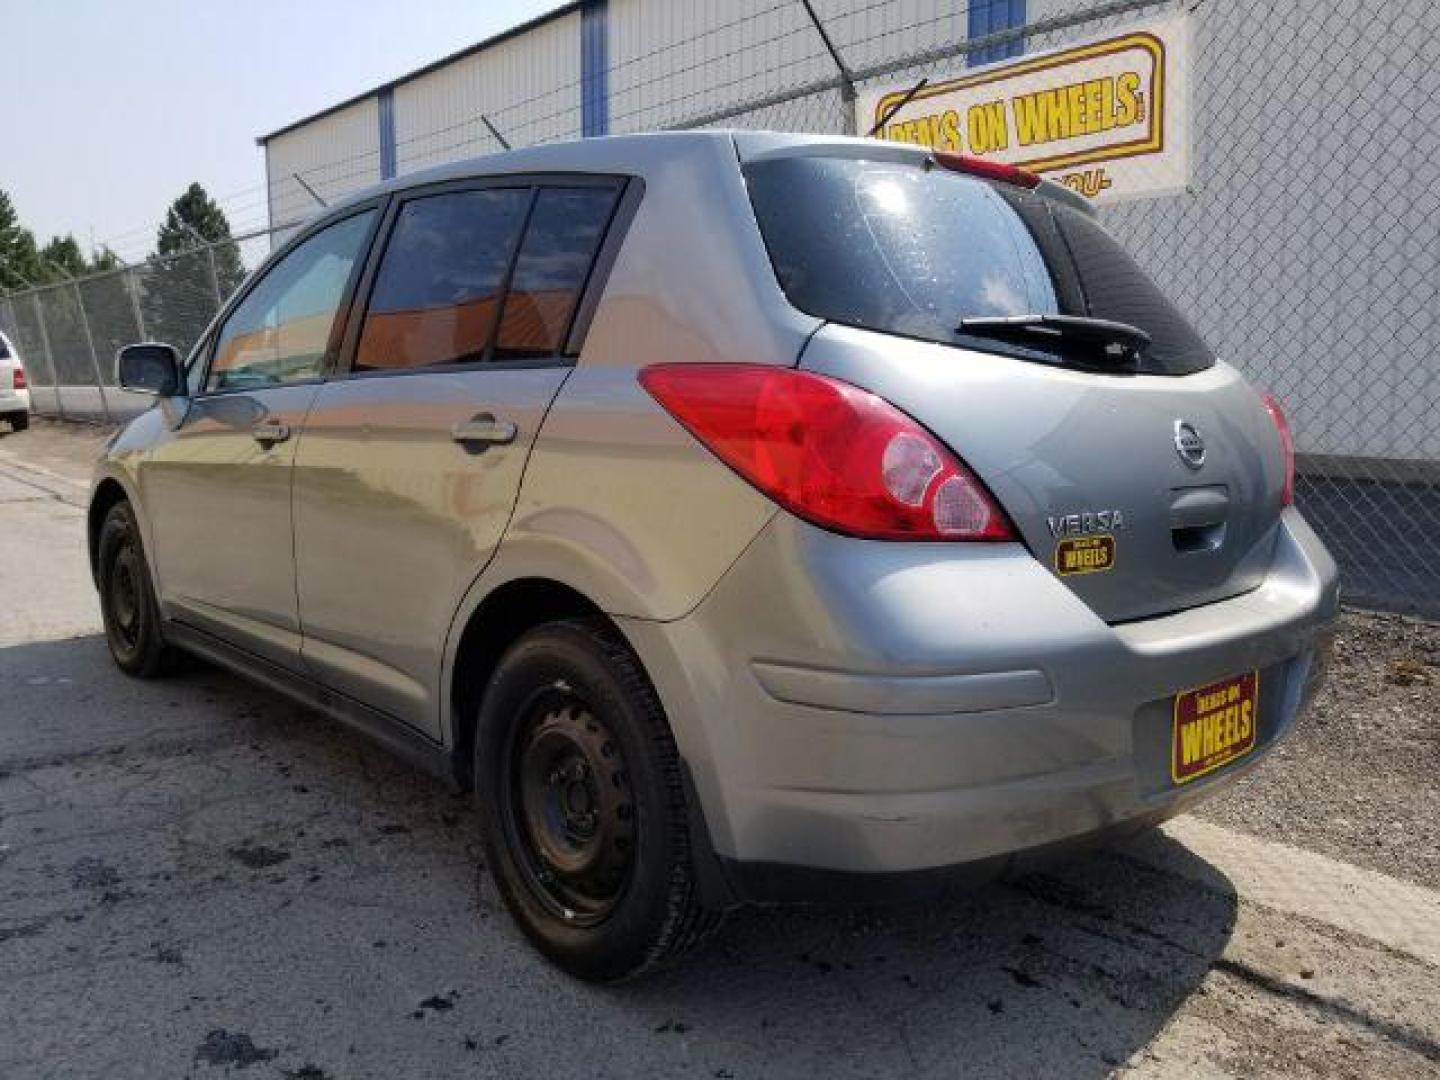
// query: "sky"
[[109, 109]]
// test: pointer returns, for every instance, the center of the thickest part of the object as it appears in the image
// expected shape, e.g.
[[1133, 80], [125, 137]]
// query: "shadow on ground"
[[197, 875]]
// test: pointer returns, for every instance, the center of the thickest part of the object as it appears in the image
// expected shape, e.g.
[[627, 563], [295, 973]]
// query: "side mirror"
[[148, 368]]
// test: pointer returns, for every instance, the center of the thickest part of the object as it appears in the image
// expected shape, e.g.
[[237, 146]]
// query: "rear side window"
[[560, 244], [437, 293], [912, 250], [4, 349]]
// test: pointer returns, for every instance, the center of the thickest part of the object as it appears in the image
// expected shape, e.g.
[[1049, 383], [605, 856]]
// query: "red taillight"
[[990, 170], [829, 452], [19, 377], [1287, 447]]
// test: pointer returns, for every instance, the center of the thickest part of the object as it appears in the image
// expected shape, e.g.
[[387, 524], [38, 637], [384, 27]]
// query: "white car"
[[14, 397]]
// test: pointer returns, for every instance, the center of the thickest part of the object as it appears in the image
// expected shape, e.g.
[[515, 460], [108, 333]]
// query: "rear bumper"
[[14, 401], [885, 712]]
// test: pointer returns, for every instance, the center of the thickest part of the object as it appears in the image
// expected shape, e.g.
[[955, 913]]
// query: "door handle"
[[484, 429], [270, 432]]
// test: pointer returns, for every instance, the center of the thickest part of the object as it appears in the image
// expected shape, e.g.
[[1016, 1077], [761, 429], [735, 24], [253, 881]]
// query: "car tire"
[[127, 598], [583, 810], [19, 421]]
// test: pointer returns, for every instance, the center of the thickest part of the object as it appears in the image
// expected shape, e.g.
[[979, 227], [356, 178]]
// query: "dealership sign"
[[1106, 117]]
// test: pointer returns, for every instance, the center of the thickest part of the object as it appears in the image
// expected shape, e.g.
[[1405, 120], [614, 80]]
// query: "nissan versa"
[[745, 517]]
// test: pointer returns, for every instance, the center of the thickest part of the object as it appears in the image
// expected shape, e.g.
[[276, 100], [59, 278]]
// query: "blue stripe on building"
[[990, 17], [386, 102], [594, 65]]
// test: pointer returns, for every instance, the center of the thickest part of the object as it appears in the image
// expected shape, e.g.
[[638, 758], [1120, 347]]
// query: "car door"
[[217, 490], [411, 460]]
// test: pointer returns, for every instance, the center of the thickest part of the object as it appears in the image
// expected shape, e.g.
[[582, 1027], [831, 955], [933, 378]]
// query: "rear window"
[[913, 250]]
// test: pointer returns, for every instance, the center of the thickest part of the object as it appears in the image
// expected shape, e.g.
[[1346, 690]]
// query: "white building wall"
[[336, 153], [675, 60], [528, 86]]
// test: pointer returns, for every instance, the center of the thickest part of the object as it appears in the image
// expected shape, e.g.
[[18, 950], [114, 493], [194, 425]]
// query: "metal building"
[[598, 67]]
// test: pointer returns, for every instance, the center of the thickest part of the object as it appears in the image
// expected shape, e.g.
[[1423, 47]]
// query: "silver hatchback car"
[[745, 517]]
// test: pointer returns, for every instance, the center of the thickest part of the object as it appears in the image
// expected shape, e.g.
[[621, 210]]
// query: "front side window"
[[438, 287], [280, 332]]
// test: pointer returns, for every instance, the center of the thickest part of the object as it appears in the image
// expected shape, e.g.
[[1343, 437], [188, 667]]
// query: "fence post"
[[135, 303], [214, 276], [94, 358], [49, 356], [848, 95]]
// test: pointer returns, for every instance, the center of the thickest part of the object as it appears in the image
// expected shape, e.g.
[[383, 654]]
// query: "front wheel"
[[583, 808], [127, 597]]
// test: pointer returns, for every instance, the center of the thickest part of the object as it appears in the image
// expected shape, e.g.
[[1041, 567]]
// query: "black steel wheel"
[[127, 598], [582, 806], [569, 810]]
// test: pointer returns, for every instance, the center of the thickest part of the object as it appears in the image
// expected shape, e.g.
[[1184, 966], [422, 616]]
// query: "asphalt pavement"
[[198, 878]]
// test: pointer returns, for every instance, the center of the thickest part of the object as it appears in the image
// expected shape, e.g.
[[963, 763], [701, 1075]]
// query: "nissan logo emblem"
[[1188, 444]]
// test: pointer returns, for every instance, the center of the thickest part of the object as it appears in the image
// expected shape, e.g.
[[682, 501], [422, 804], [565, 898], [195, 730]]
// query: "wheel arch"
[[497, 622], [108, 492]]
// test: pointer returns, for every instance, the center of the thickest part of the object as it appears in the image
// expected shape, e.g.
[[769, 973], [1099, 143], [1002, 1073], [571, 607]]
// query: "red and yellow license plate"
[[1214, 725]]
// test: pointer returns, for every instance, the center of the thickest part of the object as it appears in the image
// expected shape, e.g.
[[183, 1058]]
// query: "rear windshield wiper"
[[1116, 342]]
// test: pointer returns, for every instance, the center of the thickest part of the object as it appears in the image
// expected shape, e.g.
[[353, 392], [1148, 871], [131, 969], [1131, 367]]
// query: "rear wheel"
[[127, 597], [583, 809], [19, 421]]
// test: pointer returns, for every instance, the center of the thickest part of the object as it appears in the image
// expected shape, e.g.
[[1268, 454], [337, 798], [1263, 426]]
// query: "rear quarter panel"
[[618, 500]]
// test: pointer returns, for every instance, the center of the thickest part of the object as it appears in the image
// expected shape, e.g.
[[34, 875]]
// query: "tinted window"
[[438, 288], [280, 332], [560, 244], [4, 349], [1116, 288], [912, 250]]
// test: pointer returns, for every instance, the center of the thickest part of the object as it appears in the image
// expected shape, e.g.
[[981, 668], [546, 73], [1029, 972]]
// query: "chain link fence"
[[1304, 245], [68, 332]]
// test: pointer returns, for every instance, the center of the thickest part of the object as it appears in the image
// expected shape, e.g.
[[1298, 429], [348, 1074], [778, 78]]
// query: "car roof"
[[628, 154], [644, 153]]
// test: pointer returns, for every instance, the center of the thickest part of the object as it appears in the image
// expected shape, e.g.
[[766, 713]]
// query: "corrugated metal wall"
[[674, 58], [335, 153], [528, 86]]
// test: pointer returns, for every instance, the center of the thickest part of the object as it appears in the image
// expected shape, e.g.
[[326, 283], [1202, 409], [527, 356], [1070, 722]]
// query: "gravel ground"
[[1359, 780], [69, 449]]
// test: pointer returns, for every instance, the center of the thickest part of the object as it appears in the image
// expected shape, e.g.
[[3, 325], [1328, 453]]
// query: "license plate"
[[1214, 725]]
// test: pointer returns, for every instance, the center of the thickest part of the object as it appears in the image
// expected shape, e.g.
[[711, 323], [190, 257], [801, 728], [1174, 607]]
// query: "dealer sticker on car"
[[1214, 725]]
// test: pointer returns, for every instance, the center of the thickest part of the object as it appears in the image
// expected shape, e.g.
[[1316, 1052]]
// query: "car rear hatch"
[[1143, 474]]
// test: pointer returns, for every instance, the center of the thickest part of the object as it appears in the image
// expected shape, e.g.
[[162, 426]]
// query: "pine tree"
[[19, 259], [195, 267], [104, 260], [62, 258]]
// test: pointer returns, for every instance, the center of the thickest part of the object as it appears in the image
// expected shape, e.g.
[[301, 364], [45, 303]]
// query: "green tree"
[[104, 260], [19, 259], [63, 258], [195, 266]]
